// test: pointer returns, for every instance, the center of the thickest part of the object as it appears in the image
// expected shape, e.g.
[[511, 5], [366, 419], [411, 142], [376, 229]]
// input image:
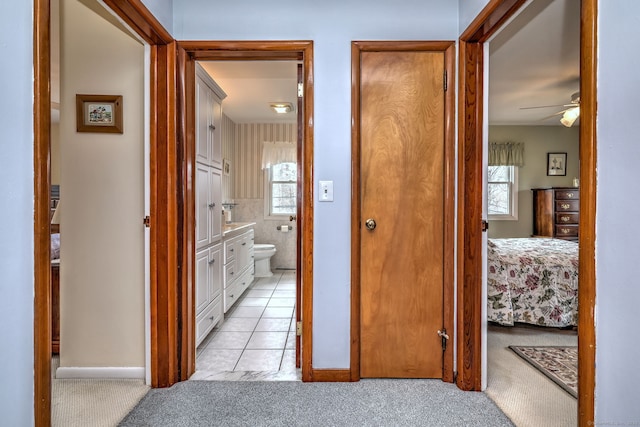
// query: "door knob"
[[370, 224]]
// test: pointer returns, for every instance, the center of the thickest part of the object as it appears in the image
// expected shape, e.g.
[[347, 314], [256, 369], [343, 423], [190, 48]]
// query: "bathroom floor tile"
[[282, 302], [291, 341], [265, 285], [273, 325], [283, 312], [267, 341], [253, 302], [284, 294], [217, 360], [260, 360], [245, 312], [286, 287], [239, 324], [288, 361], [229, 341], [259, 293]]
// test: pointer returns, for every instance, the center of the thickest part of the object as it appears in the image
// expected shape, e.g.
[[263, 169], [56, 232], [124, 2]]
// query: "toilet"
[[262, 253]]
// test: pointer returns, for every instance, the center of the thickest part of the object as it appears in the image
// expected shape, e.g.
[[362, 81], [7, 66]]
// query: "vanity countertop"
[[235, 226]]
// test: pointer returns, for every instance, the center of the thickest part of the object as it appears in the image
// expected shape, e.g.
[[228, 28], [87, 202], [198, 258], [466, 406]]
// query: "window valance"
[[278, 152], [506, 154]]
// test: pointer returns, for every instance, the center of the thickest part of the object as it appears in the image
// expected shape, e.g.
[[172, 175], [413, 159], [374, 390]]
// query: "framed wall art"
[[556, 164], [99, 113]]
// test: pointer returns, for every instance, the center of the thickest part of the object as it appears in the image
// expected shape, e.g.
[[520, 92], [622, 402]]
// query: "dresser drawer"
[[229, 273], [566, 230], [567, 205], [231, 295], [567, 194], [567, 218]]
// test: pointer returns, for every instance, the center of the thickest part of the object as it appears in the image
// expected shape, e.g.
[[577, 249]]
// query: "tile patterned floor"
[[256, 340]]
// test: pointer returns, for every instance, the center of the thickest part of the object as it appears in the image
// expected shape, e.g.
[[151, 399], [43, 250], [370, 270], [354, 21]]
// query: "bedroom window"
[[280, 191], [502, 192]]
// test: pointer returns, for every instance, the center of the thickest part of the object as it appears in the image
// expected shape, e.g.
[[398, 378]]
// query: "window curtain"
[[278, 152], [506, 154]]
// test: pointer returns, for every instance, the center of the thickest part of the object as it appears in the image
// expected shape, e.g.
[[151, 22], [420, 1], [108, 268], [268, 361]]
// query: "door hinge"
[[146, 221], [299, 329], [485, 225], [443, 335], [446, 81], [300, 90]]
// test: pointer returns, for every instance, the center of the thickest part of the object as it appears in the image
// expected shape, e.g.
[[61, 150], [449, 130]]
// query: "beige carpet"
[[95, 403], [523, 393]]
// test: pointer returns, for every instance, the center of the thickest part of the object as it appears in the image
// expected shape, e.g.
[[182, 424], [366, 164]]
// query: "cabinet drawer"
[[206, 320], [230, 249], [566, 230], [567, 205], [229, 273], [567, 194], [245, 280], [567, 218], [231, 295]]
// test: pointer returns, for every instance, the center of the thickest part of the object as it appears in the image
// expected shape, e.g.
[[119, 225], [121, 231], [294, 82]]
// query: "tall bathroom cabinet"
[[208, 190]]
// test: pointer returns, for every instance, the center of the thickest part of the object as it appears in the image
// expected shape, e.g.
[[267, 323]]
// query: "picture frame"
[[556, 164], [99, 113], [226, 167]]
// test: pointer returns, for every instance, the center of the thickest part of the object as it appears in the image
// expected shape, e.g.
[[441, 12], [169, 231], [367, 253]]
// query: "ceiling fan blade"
[[548, 106], [552, 115]]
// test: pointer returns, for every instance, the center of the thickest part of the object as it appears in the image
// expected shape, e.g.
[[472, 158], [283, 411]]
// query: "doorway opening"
[[254, 336]]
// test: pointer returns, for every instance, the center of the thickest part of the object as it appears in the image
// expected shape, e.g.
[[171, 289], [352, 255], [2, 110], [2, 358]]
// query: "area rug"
[[560, 364]]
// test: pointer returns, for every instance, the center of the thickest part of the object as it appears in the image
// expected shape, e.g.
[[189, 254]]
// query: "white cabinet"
[[209, 98], [238, 265], [209, 299], [208, 205]]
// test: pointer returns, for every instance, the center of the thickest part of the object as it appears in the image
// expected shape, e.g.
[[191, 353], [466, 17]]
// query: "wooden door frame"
[[470, 193], [448, 48], [165, 234], [251, 51]]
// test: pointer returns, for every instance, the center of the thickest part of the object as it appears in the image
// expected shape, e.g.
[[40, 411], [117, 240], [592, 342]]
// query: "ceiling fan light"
[[281, 107], [570, 116]]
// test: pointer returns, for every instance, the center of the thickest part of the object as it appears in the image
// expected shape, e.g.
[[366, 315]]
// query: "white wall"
[[102, 183], [16, 217], [538, 141], [332, 25], [618, 208], [469, 9]]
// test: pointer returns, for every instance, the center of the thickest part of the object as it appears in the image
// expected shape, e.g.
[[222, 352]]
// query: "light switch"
[[326, 191]]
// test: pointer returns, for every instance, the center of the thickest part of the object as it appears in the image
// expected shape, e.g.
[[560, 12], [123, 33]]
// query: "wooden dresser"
[[556, 212]]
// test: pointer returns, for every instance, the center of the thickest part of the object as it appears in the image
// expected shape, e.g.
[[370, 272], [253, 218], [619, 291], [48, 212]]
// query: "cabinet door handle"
[[212, 205], [244, 243], [212, 127], [212, 261], [211, 318]]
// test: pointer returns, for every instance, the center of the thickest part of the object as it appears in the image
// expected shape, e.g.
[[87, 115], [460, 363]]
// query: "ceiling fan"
[[570, 113]]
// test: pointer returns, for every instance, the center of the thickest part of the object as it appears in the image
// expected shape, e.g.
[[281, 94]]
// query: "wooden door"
[[402, 113]]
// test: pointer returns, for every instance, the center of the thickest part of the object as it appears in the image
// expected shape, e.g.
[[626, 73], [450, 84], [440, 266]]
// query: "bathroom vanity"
[[237, 244]]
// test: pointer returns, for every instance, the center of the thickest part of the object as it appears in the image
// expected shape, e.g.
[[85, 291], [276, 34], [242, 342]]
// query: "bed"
[[532, 280]]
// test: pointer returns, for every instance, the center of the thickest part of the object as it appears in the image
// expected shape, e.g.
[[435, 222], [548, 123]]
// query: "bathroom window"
[[281, 189], [502, 192]]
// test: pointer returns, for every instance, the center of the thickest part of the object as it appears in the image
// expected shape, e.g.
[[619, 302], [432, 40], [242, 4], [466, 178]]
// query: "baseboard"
[[331, 375], [123, 373]]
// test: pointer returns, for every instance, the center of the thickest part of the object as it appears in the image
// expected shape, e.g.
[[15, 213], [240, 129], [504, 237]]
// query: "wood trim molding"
[[357, 47], [587, 256], [141, 20], [270, 50], [331, 375], [470, 202], [41, 226]]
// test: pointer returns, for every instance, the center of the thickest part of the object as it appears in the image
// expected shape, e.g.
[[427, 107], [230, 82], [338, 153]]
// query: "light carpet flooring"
[[524, 394]]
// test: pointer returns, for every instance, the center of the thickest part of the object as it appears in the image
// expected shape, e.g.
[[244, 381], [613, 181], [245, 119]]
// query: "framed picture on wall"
[[99, 113], [556, 164], [226, 167]]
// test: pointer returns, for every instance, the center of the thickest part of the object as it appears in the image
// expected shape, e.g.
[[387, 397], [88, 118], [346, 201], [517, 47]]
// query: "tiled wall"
[[242, 146]]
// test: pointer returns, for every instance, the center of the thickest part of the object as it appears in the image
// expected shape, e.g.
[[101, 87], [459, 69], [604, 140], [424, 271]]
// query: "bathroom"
[[258, 334]]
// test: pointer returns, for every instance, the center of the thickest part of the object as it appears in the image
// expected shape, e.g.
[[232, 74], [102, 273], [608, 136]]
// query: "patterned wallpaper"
[[242, 147]]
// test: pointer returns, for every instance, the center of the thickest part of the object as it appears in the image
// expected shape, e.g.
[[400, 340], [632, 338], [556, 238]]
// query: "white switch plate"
[[326, 191]]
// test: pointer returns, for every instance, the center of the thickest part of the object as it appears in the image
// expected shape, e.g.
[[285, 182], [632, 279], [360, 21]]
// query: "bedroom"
[[533, 62]]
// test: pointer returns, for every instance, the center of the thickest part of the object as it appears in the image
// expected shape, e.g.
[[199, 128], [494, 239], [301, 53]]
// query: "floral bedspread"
[[532, 281]]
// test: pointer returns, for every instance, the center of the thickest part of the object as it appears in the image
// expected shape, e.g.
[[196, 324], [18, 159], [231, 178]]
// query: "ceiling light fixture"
[[570, 116], [281, 107]]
